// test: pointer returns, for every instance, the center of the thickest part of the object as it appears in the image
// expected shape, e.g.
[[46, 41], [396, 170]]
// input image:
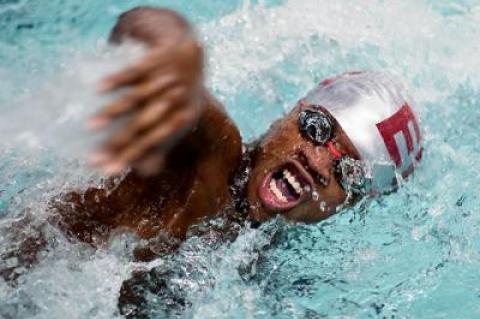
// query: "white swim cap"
[[376, 113]]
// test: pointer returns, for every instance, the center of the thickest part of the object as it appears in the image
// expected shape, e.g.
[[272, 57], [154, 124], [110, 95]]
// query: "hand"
[[163, 100]]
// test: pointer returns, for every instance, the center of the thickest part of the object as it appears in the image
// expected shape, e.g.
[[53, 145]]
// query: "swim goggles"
[[318, 127]]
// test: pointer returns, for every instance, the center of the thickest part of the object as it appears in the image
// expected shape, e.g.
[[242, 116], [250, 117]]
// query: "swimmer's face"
[[293, 176]]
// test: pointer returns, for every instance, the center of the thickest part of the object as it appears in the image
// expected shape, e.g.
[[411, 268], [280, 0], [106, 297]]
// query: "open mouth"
[[285, 187]]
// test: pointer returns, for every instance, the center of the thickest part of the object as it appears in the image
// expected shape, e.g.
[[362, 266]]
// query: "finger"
[[159, 136], [151, 115], [132, 74], [129, 101], [114, 168], [152, 165], [99, 157], [143, 121]]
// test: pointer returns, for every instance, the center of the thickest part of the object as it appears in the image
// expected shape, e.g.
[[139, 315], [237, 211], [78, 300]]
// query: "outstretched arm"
[[178, 136], [173, 119], [165, 99]]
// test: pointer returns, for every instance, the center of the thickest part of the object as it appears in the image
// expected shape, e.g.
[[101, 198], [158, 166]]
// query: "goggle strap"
[[333, 150]]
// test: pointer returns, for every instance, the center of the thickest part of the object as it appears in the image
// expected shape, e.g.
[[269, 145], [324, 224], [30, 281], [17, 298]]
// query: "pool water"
[[412, 254]]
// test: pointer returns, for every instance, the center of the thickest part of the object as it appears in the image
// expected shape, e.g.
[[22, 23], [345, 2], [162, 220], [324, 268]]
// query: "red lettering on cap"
[[401, 122]]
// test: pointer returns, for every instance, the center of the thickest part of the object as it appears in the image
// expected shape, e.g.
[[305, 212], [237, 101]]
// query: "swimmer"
[[352, 136]]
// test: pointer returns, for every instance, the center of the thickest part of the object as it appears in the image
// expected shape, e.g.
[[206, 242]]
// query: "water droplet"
[[323, 206]]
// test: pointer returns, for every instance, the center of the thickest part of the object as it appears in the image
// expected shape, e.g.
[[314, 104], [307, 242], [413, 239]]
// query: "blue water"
[[412, 254]]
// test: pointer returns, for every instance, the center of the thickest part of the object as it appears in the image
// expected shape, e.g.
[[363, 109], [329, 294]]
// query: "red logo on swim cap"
[[401, 135]]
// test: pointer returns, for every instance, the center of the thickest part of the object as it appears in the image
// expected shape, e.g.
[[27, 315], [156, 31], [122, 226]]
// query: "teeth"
[[274, 189], [293, 182]]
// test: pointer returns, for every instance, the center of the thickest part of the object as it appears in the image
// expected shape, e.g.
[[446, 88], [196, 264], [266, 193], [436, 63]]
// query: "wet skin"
[[184, 152], [284, 146], [184, 176], [193, 179], [193, 185]]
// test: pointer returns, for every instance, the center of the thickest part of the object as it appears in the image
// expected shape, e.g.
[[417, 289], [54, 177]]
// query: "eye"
[[315, 125], [351, 175]]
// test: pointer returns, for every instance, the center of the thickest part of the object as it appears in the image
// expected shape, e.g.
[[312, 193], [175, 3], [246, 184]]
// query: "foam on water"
[[299, 43], [50, 109], [45, 135], [407, 255]]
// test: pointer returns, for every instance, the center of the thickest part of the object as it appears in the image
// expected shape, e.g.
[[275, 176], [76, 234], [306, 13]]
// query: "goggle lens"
[[316, 125], [351, 175]]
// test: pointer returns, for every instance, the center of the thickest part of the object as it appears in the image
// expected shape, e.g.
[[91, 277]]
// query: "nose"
[[319, 160]]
